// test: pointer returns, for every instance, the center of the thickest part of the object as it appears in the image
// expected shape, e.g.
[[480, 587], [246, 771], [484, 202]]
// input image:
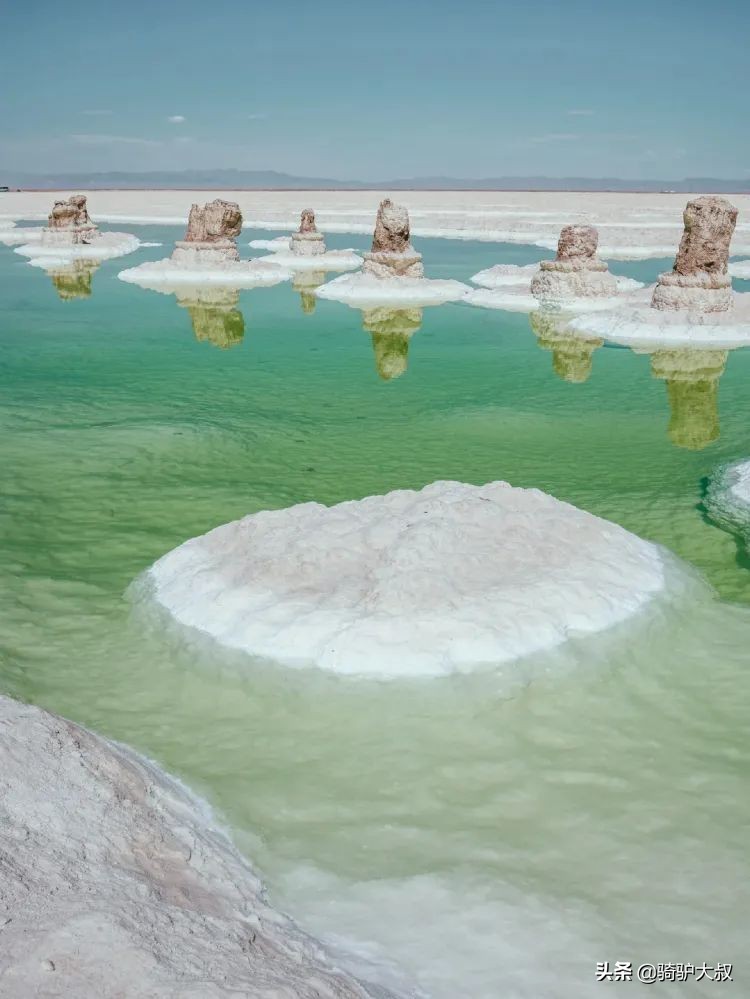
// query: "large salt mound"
[[411, 583], [115, 883], [508, 287], [728, 498], [366, 289]]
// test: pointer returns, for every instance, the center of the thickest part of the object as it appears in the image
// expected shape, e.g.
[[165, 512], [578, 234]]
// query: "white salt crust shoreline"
[[331, 260], [117, 882], [638, 325], [106, 246], [362, 289], [166, 273], [634, 226], [415, 583]]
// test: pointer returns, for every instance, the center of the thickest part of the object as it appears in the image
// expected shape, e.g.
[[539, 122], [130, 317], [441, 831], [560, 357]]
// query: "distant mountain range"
[[271, 179]]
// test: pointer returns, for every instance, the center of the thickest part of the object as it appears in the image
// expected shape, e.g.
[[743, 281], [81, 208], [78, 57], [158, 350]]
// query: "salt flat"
[[632, 226]]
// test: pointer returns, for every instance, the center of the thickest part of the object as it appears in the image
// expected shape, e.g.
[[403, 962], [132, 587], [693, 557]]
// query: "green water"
[[486, 839]]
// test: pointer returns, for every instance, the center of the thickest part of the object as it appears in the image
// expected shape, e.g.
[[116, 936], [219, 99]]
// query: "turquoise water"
[[482, 839]]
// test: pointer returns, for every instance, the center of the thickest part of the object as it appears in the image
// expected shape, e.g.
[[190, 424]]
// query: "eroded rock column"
[[392, 254], [307, 241], [211, 236], [699, 280], [576, 271]]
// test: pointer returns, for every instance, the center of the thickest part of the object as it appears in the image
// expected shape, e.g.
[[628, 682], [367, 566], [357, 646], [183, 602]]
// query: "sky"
[[343, 89]]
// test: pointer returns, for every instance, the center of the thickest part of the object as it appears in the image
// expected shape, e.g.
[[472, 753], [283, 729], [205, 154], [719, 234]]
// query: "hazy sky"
[[396, 88]]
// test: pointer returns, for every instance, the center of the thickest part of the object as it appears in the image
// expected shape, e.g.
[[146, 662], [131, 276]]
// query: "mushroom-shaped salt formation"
[[392, 272], [448, 578], [306, 250], [70, 235], [208, 255], [693, 305], [571, 355], [391, 331], [576, 280], [727, 499]]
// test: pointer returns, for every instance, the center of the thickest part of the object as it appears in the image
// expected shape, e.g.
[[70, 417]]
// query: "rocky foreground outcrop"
[[115, 885]]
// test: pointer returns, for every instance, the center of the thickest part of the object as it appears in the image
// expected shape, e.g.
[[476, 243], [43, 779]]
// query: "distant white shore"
[[632, 226]]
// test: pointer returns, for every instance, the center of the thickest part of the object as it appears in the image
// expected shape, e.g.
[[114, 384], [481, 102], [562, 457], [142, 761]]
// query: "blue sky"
[[341, 88]]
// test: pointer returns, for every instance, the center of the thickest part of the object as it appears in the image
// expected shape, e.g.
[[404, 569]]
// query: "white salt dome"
[[331, 260], [366, 289], [502, 275], [639, 325], [226, 273], [430, 582]]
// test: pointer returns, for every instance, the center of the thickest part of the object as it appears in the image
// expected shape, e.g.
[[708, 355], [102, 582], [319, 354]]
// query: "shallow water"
[[487, 836]]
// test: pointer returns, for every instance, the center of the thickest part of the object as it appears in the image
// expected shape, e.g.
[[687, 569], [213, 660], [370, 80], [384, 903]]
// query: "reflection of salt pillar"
[[73, 280], [692, 378], [699, 280], [571, 355], [214, 316], [305, 282], [391, 330]]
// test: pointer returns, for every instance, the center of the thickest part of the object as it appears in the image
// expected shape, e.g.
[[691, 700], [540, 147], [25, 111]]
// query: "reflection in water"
[[213, 314], [692, 378], [73, 279], [305, 282], [571, 355], [391, 331]]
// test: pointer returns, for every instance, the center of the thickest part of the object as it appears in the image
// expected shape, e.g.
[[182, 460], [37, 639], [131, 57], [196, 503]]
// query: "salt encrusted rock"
[[214, 314], [445, 579], [692, 378], [211, 235], [699, 281], [115, 882], [69, 223], [576, 272], [391, 331], [392, 254], [307, 241], [572, 356], [217, 221]]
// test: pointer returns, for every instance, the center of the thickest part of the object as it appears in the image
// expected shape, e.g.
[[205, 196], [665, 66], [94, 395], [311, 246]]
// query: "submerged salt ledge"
[[728, 498], [429, 582], [117, 882]]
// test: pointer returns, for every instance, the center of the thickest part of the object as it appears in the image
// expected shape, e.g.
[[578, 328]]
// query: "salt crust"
[[366, 289], [274, 245], [117, 882], [442, 580], [331, 260], [106, 246], [638, 325], [728, 499], [508, 287], [230, 274], [740, 269]]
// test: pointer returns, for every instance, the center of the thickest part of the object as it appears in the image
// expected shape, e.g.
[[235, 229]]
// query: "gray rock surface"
[[114, 884]]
